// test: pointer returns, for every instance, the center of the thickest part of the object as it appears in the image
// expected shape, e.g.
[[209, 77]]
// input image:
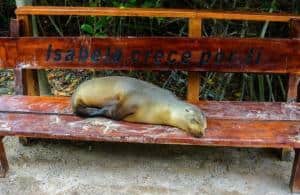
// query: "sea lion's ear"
[[187, 110]]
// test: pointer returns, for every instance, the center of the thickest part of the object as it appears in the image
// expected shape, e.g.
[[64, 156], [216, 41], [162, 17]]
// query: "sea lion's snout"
[[197, 123], [197, 127]]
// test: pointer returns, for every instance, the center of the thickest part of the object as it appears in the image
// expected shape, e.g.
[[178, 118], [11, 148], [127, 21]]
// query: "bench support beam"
[[295, 176], [292, 96], [26, 81], [193, 88], [3, 160], [293, 83]]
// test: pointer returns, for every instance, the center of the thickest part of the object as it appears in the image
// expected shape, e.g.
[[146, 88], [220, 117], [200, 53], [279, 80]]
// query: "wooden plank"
[[193, 88], [292, 97], [18, 86], [293, 78], [26, 81], [295, 177], [236, 110], [26, 25], [220, 132], [202, 54], [3, 160], [294, 88], [7, 50], [14, 29], [153, 12], [293, 83], [30, 82], [241, 124]]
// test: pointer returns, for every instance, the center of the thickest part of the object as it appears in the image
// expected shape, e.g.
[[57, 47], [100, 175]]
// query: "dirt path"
[[49, 167]]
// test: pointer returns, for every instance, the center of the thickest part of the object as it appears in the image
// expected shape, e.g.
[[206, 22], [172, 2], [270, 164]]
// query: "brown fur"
[[129, 99]]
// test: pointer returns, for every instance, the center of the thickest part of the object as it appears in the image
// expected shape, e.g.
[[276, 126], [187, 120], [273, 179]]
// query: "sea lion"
[[133, 100]]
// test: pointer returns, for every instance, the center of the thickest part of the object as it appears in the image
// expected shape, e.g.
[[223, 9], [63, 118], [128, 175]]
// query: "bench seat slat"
[[239, 124], [220, 132], [213, 109]]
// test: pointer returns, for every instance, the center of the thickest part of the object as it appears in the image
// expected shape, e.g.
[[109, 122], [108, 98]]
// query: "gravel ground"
[[65, 167]]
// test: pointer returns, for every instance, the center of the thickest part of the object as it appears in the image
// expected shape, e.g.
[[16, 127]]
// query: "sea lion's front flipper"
[[92, 111], [113, 111]]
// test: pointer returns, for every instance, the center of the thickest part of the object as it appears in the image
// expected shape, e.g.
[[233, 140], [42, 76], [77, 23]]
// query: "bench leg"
[[3, 160], [295, 176], [286, 154], [25, 141]]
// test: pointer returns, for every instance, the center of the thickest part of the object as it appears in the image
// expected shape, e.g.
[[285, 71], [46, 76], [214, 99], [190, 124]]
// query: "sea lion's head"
[[190, 118], [196, 120]]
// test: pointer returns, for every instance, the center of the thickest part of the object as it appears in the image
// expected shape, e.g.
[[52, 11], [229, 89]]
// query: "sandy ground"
[[64, 167]]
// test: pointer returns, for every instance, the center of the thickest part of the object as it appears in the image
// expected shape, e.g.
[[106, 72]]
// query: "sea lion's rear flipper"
[[125, 108]]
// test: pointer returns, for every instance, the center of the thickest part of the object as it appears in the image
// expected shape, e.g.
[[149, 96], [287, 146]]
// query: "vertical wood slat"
[[26, 24], [28, 77], [295, 176], [14, 31], [193, 88], [293, 83], [14, 28], [3, 160], [292, 95], [26, 82], [293, 78]]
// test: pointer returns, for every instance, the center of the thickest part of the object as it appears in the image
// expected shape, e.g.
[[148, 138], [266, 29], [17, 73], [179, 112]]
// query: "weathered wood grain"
[[220, 132], [26, 79], [292, 96], [295, 177], [153, 12], [241, 124], [192, 54], [3, 160], [213, 109], [193, 88]]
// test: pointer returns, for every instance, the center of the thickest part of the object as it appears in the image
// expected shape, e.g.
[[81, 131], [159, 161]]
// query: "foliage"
[[6, 11]]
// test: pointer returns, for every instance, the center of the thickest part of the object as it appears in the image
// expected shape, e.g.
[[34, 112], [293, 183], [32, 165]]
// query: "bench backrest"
[[190, 54]]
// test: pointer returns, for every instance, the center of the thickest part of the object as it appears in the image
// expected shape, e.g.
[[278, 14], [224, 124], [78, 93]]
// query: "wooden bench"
[[234, 124]]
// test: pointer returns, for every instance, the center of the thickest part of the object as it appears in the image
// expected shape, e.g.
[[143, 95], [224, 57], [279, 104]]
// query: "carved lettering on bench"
[[205, 57], [70, 55], [117, 56], [253, 56], [157, 57], [171, 59], [219, 56], [83, 54], [186, 57], [96, 55], [135, 56]]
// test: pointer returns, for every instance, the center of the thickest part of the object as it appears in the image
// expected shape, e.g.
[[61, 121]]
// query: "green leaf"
[[132, 2], [87, 29], [148, 4], [101, 34]]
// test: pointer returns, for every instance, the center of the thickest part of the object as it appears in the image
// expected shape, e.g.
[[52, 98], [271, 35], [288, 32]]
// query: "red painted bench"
[[235, 124]]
